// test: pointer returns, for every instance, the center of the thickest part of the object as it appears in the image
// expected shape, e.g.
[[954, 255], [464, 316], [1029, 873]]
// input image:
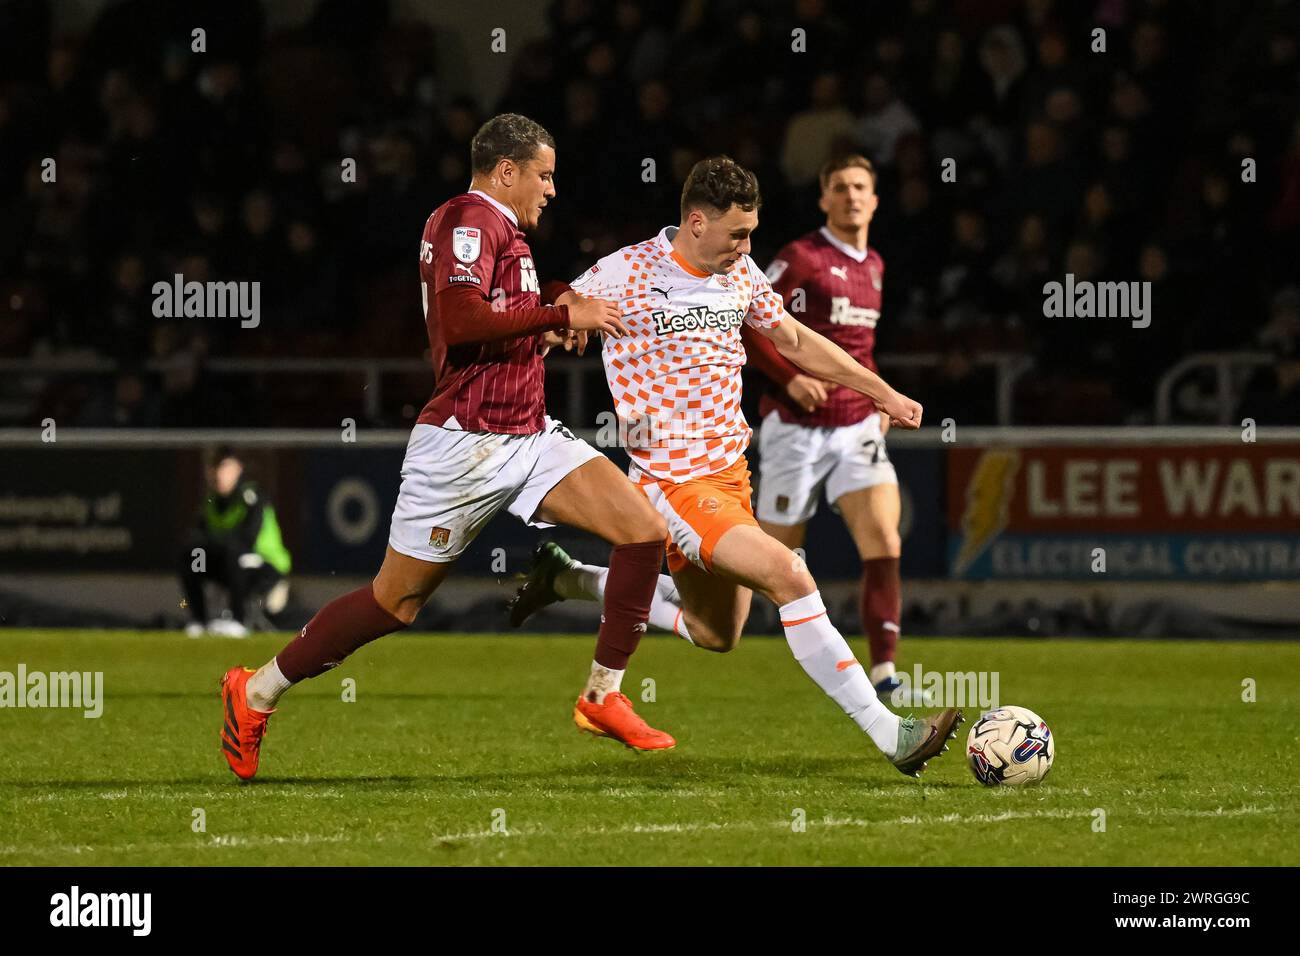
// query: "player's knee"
[[656, 528], [407, 608], [647, 525], [402, 603], [728, 642], [789, 581], [882, 542], [891, 542], [712, 639]]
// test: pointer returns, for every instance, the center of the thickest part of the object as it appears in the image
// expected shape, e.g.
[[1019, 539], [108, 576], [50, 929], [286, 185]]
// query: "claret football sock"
[[824, 655], [629, 589], [881, 606], [586, 582], [338, 629]]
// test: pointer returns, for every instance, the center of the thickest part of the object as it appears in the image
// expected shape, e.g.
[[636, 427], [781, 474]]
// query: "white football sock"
[[880, 671], [666, 609], [265, 687], [824, 655], [586, 582], [603, 680]]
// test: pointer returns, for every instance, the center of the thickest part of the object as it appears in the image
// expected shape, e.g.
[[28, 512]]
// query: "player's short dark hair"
[[718, 183], [507, 136], [847, 161]]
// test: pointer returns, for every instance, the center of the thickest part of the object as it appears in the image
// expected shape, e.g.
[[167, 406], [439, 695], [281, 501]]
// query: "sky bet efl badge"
[[465, 242]]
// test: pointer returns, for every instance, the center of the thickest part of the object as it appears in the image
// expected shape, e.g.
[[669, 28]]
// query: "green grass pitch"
[[453, 738]]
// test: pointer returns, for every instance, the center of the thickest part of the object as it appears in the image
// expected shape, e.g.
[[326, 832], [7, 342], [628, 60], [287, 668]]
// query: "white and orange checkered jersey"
[[675, 378]]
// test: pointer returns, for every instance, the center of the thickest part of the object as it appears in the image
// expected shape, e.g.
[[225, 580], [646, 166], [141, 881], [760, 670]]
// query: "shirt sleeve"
[[763, 355], [765, 305], [462, 251], [786, 272], [457, 263], [601, 281], [552, 289], [464, 318]]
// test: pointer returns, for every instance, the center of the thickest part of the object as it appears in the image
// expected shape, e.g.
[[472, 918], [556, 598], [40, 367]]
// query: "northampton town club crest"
[[439, 537]]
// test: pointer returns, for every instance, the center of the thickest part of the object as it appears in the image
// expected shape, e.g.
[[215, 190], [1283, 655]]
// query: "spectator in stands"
[[812, 133], [885, 120], [127, 401]]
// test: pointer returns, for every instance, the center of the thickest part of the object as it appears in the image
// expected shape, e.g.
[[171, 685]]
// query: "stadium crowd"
[[1124, 164]]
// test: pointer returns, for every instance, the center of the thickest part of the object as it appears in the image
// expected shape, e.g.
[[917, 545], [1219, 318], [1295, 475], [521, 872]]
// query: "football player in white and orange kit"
[[675, 380]]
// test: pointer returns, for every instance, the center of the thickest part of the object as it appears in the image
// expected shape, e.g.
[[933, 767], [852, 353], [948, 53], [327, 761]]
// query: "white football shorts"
[[797, 461], [454, 482]]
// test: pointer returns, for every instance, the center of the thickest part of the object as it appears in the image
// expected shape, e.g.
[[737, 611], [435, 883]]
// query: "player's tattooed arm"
[[823, 359]]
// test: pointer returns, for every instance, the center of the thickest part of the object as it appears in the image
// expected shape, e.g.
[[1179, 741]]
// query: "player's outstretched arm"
[[804, 390], [822, 358], [466, 317]]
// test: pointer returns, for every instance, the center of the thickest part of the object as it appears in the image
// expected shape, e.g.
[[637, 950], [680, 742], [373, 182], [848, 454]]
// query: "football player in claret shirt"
[[817, 438], [675, 381], [484, 444]]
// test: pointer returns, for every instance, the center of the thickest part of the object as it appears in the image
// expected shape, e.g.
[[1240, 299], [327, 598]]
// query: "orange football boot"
[[616, 719], [242, 732]]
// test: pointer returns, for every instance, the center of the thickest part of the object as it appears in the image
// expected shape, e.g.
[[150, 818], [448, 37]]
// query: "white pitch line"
[[304, 839], [832, 822]]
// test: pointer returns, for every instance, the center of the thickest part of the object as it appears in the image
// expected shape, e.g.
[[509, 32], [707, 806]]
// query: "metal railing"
[[1008, 367], [1223, 364], [1100, 436]]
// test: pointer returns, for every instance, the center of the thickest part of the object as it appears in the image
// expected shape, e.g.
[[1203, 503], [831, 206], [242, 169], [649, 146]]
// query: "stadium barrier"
[[1069, 530], [1226, 389], [576, 373], [1008, 367]]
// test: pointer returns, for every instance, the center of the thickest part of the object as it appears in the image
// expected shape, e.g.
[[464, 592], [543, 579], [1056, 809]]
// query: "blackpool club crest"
[[466, 242]]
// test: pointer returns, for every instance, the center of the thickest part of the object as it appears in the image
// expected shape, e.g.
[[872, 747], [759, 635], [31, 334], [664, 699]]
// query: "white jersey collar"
[[857, 255], [504, 210]]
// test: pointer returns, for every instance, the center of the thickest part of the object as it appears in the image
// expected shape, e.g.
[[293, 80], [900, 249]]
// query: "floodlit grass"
[[450, 733]]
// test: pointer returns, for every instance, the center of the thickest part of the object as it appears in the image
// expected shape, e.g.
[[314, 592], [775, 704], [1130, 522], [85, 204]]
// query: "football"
[[1010, 747]]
